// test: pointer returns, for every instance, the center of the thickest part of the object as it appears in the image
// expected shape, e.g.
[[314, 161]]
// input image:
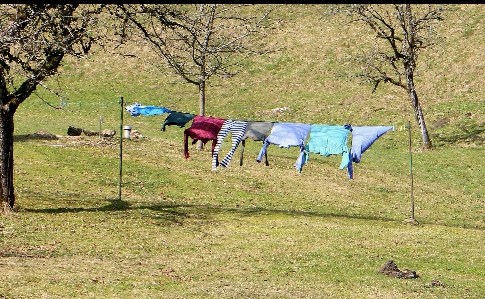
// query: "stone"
[[73, 131]]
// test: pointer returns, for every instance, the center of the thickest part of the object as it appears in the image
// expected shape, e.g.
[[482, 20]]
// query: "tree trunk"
[[200, 145], [418, 113], [202, 97], [6, 158], [409, 63]]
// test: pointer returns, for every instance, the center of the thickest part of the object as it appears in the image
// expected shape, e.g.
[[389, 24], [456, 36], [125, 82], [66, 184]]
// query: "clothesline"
[[323, 139]]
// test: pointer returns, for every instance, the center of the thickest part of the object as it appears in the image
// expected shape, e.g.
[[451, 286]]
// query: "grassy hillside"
[[182, 230], [305, 74]]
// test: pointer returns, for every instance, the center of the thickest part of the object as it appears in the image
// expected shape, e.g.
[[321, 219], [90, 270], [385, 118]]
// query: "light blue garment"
[[362, 138], [138, 109], [328, 140], [286, 135]]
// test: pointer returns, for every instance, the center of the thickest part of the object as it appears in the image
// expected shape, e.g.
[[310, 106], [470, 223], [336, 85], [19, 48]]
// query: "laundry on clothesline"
[[257, 131], [328, 140], [138, 109], [362, 138], [285, 135], [177, 118], [237, 129], [323, 139], [203, 128]]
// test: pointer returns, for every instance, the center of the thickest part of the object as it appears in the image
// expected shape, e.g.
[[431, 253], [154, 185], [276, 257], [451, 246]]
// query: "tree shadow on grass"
[[469, 134], [172, 213], [29, 137]]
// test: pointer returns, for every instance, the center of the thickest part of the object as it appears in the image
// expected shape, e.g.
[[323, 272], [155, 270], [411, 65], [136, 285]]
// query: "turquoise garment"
[[328, 140]]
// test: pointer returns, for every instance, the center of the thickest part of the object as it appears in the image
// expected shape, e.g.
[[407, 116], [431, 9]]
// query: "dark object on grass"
[[90, 133], [72, 131], [390, 269], [44, 135], [435, 283], [108, 133]]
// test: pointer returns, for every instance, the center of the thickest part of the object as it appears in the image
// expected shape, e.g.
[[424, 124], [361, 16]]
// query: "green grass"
[[182, 230]]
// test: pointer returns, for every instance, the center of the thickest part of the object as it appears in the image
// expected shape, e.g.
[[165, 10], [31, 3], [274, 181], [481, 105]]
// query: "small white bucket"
[[126, 131]]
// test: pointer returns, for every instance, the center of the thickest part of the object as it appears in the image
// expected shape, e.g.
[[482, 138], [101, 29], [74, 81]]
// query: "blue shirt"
[[138, 109], [286, 135]]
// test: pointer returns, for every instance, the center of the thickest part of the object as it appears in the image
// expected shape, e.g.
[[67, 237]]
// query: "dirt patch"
[[390, 269]]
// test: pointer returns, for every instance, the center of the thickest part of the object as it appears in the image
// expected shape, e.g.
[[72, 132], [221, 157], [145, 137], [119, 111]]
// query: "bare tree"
[[197, 41], [34, 39], [402, 32]]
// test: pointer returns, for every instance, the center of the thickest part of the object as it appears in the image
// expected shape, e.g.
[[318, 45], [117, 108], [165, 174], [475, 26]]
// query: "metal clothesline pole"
[[411, 220], [411, 170], [121, 149]]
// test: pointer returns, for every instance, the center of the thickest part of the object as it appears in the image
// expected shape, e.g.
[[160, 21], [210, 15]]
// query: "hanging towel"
[[237, 130], [328, 140], [362, 138], [177, 118], [138, 109], [203, 128], [258, 131], [286, 135]]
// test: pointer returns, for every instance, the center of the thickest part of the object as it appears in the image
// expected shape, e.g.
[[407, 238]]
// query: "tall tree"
[[34, 39], [197, 41], [402, 31]]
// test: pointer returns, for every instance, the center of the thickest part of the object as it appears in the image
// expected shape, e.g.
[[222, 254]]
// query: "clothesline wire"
[[165, 110]]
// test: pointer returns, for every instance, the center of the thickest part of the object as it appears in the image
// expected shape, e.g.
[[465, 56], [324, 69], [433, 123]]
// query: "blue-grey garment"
[[177, 118], [285, 135], [362, 138], [258, 130], [328, 140], [138, 109]]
